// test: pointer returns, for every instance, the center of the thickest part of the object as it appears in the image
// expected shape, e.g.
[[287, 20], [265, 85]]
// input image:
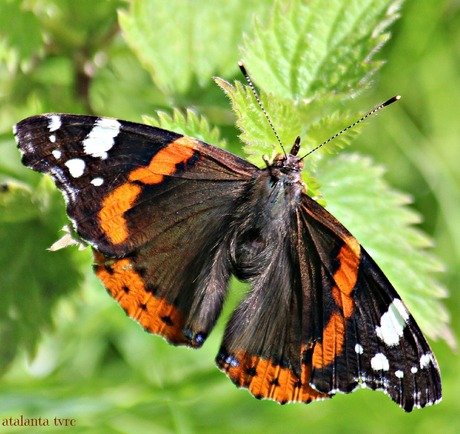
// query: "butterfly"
[[171, 218]]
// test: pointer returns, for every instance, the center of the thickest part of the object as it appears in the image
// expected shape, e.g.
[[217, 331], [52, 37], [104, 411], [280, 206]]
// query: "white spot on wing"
[[52, 138], [76, 167], [392, 323], [399, 373], [97, 182], [380, 363], [54, 122], [425, 360], [56, 154], [414, 369], [359, 349], [101, 138]]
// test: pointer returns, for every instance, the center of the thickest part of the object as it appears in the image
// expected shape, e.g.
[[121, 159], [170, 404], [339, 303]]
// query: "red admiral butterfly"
[[171, 218]]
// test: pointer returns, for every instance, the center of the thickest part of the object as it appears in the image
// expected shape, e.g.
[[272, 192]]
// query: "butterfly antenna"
[[251, 85], [373, 111]]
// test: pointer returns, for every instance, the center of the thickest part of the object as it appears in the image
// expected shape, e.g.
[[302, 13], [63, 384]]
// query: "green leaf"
[[15, 22], [379, 217], [251, 121], [310, 60], [312, 49], [15, 203], [180, 42], [35, 279], [290, 120], [189, 124]]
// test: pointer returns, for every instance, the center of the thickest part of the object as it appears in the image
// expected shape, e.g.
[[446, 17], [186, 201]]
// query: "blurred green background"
[[96, 366]]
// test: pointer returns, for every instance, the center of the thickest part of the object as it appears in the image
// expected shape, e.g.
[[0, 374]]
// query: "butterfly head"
[[289, 163]]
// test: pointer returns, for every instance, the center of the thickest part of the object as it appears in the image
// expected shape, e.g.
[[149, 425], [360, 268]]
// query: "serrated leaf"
[[189, 124], [290, 119], [378, 216], [298, 58], [311, 49], [250, 119], [179, 41]]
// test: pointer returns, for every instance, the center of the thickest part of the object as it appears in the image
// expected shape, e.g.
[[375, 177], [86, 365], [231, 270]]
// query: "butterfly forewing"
[[369, 337]]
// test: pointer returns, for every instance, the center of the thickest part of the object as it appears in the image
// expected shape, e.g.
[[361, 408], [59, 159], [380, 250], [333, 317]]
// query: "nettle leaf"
[[48, 277], [308, 60], [380, 219], [310, 49], [287, 117], [189, 124], [250, 119], [182, 42], [290, 119]]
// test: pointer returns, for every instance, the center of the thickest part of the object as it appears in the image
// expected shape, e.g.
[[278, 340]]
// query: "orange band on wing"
[[346, 277], [111, 215], [164, 161], [268, 381], [126, 286], [331, 346], [114, 206]]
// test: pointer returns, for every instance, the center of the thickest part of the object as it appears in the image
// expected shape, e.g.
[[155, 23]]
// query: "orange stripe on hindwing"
[[345, 279], [127, 287], [122, 199], [266, 380]]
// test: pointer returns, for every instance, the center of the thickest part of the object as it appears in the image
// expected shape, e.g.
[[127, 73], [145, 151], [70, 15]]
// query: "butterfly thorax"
[[266, 215], [286, 168]]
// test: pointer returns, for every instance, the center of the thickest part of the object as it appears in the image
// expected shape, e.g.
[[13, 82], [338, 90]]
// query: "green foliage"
[[177, 48], [309, 60], [15, 201], [259, 137], [189, 124], [18, 50], [29, 219], [314, 49]]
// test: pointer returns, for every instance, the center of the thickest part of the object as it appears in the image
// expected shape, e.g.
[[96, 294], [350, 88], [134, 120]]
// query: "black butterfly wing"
[[325, 319], [154, 205]]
